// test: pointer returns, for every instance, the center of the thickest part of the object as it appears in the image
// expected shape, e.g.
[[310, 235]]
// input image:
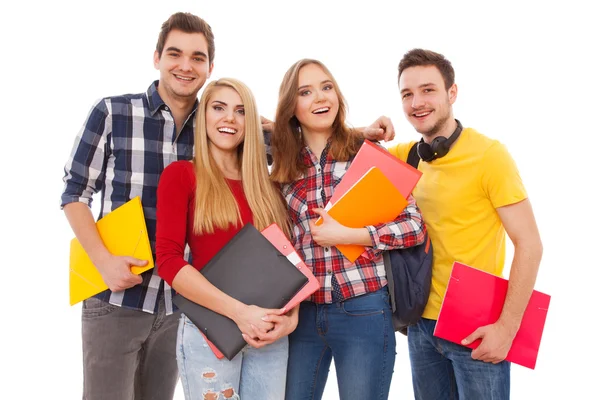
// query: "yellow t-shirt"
[[458, 195]]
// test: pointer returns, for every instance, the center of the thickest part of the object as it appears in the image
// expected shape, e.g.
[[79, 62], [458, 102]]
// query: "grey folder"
[[250, 269]]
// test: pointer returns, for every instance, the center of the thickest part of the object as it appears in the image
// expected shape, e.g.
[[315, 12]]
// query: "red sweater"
[[175, 221]]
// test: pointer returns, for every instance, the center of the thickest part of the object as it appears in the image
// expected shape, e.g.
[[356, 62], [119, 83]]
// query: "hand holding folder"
[[475, 298], [124, 233], [372, 200], [251, 268]]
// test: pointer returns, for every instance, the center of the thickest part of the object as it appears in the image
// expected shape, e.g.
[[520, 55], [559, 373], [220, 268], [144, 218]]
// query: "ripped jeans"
[[252, 374]]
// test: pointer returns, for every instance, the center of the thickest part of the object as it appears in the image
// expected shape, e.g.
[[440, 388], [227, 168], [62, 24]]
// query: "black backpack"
[[409, 275]]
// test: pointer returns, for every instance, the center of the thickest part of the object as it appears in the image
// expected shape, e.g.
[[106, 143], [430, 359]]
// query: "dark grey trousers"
[[128, 354]]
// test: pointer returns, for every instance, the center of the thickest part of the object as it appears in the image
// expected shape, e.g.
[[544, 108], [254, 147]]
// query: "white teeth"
[[320, 110], [184, 78], [227, 130], [422, 114]]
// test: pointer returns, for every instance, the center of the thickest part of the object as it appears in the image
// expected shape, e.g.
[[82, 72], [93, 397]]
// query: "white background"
[[526, 75]]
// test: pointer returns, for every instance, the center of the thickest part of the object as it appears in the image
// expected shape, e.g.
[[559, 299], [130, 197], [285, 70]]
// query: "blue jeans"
[[358, 334], [444, 370], [252, 374]]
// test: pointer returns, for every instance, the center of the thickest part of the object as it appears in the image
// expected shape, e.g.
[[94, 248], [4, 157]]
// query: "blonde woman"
[[349, 318], [204, 203]]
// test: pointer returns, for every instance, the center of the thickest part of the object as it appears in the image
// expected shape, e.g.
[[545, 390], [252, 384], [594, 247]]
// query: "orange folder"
[[278, 239], [401, 174], [372, 200], [124, 233], [475, 298]]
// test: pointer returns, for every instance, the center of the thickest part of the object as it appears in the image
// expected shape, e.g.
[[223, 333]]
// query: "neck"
[[180, 107], [446, 130], [316, 140], [227, 162]]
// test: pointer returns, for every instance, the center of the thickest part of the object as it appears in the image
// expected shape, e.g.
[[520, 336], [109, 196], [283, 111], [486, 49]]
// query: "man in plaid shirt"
[[129, 331]]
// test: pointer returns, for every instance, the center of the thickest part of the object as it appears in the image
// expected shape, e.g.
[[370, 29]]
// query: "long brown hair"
[[215, 204], [287, 141]]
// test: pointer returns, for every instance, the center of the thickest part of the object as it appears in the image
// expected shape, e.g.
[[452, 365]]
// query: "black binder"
[[250, 269]]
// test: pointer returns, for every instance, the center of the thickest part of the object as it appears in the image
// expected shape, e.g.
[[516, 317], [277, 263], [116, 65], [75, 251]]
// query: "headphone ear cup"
[[439, 147], [425, 151]]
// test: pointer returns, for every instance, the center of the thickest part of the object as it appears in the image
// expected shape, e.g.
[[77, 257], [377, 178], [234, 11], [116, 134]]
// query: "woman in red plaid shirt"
[[349, 318]]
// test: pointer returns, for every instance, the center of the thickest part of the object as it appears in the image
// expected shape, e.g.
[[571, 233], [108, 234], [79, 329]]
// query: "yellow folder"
[[372, 200], [124, 233]]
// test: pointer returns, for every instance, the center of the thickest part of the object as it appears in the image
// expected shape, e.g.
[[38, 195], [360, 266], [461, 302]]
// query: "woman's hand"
[[251, 319], [284, 324], [331, 233]]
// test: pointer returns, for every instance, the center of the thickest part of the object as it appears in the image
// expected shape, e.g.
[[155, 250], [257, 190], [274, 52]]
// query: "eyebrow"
[[322, 82], [420, 87], [196, 53]]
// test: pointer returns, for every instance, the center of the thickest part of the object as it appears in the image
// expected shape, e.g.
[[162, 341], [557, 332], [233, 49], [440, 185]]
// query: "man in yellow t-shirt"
[[471, 196]]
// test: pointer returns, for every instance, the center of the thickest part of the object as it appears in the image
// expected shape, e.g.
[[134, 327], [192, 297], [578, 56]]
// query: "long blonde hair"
[[287, 141], [216, 206]]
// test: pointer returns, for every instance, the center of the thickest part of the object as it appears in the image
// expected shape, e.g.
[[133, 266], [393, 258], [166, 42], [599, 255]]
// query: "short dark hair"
[[188, 23], [423, 58]]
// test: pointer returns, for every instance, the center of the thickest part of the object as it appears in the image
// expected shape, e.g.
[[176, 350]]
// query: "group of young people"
[[200, 169]]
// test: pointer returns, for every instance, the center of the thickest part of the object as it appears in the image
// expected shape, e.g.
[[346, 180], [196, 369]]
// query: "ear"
[[452, 93], [210, 69], [156, 59]]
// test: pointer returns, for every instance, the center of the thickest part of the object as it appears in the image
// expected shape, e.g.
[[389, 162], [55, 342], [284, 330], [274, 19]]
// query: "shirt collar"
[[155, 102]]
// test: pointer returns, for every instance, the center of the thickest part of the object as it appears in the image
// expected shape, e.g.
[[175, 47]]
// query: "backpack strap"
[[413, 157]]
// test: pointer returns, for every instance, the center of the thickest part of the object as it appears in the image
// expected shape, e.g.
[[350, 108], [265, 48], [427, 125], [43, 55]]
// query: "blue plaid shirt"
[[123, 147]]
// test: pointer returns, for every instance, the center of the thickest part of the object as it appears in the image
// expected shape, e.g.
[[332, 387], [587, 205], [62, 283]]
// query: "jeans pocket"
[[365, 305], [94, 307]]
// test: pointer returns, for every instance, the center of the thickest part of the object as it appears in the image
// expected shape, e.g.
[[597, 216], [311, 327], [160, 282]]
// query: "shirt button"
[[166, 108], [318, 169], [326, 249], [328, 272]]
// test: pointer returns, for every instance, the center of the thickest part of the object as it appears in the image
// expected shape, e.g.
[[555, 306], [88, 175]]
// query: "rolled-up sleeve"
[[85, 170], [407, 230], [175, 192]]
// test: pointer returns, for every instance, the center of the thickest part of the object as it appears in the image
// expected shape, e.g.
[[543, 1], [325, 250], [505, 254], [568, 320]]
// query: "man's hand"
[[496, 340], [116, 272], [381, 129]]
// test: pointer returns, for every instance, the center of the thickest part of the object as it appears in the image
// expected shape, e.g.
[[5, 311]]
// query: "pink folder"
[[403, 176], [278, 239], [475, 298]]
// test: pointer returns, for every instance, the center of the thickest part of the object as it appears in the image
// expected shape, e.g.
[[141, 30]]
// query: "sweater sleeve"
[[175, 196]]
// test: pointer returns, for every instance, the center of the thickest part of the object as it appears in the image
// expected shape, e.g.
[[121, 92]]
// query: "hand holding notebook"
[[124, 233], [253, 268], [475, 298]]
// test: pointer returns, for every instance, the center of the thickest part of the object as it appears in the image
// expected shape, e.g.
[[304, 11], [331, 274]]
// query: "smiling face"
[[225, 119], [184, 66], [426, 103], [317, 102]]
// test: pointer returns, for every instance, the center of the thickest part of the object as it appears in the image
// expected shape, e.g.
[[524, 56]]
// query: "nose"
[[229, 116], [185, 65], [320, 96], [418, 101]]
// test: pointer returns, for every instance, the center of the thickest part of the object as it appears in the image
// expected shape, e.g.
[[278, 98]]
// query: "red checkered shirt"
[[367, 273]]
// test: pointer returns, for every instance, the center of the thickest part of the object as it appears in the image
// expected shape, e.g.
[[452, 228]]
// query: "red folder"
[[475, 298], [402, 175], [278, 239]]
